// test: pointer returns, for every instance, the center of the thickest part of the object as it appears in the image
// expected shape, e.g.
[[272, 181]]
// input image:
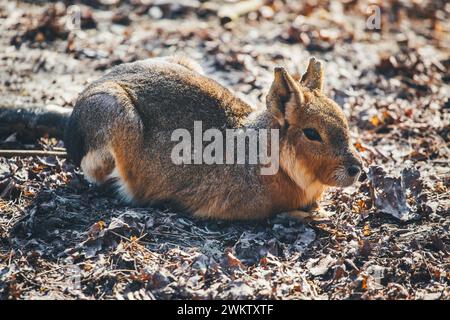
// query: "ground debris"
[[61, 238], [400, 196]]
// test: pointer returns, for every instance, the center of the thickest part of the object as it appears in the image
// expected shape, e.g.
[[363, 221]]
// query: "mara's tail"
[[35, 121]]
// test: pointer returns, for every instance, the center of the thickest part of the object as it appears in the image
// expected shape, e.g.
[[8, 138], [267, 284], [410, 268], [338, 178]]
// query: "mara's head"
[[314, 133]]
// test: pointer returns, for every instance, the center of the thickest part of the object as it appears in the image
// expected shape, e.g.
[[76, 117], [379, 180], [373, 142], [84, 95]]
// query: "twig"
[[28, 153]]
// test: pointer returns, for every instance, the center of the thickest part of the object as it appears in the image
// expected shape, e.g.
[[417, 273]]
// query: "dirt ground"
[[389, 234]]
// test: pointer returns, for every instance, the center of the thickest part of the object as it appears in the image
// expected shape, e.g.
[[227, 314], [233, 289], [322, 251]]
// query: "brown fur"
[[121, 126]]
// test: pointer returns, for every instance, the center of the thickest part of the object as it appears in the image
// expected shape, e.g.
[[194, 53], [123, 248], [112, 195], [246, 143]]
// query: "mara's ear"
[[313, 77], [284, 94]]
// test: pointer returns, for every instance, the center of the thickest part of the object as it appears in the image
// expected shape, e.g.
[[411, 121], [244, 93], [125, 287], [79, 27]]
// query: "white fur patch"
[[123, 190], [300, 175]]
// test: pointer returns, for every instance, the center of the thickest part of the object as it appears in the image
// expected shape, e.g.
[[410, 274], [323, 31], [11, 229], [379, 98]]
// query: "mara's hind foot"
[[99, 168]]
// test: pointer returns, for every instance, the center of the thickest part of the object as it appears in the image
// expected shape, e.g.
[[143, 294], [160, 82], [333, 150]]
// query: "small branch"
[[28, 153]]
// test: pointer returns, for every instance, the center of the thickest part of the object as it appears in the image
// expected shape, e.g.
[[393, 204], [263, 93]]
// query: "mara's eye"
[[312, 134]]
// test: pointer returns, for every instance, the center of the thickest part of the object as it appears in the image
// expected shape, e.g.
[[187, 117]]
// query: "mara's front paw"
[[321, 215], [315, 215]]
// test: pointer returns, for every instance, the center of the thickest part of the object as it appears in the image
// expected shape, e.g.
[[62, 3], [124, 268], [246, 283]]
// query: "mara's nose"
[[353, 170]]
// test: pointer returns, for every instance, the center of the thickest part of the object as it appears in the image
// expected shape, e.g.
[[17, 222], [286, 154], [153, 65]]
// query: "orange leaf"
[[101, 224], [359, 147], [233, 261], [263, 261], [366, 230], [364, 283], [375, 121]]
